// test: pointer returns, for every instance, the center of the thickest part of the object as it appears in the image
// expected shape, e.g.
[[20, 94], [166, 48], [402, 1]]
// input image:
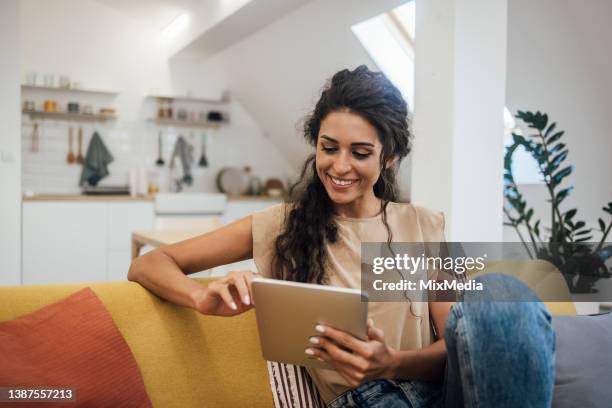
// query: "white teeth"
[[342, 182]]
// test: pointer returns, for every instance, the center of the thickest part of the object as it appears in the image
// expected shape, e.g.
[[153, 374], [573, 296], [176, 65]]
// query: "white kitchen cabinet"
[[237, 209], [118, 264], [80, 241], [123, 219], [64, 241]]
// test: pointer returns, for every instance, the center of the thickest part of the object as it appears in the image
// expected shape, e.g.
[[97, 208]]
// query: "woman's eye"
[[361, 155], [329, 149]]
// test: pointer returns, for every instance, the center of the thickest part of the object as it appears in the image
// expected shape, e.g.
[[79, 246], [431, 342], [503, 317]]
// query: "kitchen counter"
[[81, 197]]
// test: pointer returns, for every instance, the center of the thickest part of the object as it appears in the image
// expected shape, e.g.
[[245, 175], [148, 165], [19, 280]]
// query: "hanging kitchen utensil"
[[80, 158], [160, 162], [203, 161], [70, 158], [35, 139]]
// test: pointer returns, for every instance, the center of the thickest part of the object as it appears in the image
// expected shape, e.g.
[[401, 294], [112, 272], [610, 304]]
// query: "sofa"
[[187, 359]]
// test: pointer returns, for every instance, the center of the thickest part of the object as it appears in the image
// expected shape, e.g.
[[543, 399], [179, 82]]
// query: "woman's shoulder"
[[425, 217], [272, 212]]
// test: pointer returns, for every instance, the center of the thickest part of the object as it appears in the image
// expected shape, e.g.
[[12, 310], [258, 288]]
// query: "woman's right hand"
[[229, 295]]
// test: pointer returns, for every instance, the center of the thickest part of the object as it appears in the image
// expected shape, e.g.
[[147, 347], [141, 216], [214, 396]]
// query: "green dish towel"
[[96, 161]]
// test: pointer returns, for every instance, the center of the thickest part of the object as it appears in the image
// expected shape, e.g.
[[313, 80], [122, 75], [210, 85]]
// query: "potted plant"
[[568, 247]]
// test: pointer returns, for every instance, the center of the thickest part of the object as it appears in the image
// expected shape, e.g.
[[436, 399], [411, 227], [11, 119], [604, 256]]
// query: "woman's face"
[[348, 157]]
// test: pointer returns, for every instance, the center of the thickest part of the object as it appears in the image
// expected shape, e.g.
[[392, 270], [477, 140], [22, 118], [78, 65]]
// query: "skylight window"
[[389, 40]]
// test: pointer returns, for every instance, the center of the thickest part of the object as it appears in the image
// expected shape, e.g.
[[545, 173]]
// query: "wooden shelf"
[[69, 90], [224, 99], [69, 116], [185, 123]]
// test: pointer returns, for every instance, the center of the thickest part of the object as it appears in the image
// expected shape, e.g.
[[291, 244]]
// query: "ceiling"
[[156, 14]]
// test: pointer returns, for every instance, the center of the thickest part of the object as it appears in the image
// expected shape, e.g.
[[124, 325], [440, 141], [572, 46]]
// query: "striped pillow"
[[292, 387]]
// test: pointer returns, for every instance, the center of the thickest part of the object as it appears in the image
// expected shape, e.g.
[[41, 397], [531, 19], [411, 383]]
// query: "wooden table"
[[160, 238]]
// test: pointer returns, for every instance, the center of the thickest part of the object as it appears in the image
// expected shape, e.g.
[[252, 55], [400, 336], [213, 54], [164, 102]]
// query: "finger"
[[370, 323], [343, 338], [376, 334], [248, 277], [238, 280], [337, 353], [352, 376], [222, 289]]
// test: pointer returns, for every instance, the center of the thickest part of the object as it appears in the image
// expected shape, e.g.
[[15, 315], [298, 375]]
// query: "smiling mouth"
[[341, 182]]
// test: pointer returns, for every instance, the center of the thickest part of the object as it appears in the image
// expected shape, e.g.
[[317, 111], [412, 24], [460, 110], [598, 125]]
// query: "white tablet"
[[287, 313]]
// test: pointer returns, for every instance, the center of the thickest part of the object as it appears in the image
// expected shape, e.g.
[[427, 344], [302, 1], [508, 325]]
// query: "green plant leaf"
[[608, 209], [602, 225], [541, 125], [536, 228], [560, 175], [550, 129], [550, 169], [582, 232], [579, 225], [584, 239], [562, 194], [570, 214], [556, 148], [555, 137], [560, 157]]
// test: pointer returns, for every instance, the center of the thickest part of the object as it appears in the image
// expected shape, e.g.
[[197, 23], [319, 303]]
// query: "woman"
[[347, 194]]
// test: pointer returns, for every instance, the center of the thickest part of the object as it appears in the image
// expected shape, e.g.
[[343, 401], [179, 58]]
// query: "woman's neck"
[[360, 208]]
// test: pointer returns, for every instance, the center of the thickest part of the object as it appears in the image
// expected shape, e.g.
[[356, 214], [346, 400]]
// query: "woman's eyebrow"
[[331, 139]]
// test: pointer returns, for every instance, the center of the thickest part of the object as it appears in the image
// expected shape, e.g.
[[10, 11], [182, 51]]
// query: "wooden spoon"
[[80, 158], [70, 158]]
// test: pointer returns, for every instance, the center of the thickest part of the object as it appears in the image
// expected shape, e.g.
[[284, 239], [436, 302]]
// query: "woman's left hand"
[[358, 361]]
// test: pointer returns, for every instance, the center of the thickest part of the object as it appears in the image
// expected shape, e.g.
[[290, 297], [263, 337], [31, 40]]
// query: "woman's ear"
[[391, 162]]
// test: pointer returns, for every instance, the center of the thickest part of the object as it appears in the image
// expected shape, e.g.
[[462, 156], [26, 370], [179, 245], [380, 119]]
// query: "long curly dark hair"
[[309, 223]]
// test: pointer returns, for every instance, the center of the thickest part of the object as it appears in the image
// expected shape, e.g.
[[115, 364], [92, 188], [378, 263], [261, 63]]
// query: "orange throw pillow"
[[73, 343]]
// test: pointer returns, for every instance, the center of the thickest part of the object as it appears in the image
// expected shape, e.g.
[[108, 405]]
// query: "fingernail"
[[320, 328], [233, 306], [320, 359], [314, 340], [310, 352], [247, 300]]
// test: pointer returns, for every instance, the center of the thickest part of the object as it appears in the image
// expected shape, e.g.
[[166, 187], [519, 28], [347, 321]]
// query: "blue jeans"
[[499, 354]]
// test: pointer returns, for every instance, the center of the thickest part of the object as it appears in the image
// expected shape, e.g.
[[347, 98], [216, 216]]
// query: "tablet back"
[[287, 313]]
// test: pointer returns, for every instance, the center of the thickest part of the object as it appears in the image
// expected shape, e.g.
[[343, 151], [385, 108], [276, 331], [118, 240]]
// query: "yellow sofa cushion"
[[541, 276], [186, 359]]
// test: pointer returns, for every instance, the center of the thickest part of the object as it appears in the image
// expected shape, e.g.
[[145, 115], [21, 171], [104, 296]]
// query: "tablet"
[[287, 313]]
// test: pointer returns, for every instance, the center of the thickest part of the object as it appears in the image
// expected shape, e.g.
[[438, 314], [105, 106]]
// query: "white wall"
[[10, 145], [558, 63], [106, 49], [459, 99]]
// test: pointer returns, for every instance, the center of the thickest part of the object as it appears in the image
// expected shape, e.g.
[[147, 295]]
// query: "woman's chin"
[[340, 197]]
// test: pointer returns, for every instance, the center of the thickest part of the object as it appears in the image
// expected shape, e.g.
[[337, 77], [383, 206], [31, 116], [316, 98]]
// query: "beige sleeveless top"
[[405, 327]]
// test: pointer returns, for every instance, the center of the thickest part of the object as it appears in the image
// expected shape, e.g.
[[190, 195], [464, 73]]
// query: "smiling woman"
[[360, 130], [347, 194]]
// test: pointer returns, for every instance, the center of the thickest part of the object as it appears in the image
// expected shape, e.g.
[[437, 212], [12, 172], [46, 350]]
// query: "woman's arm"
[[428, 362], [163, 271]]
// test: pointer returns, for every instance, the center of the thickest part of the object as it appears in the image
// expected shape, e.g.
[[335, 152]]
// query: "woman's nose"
[[342, 164]]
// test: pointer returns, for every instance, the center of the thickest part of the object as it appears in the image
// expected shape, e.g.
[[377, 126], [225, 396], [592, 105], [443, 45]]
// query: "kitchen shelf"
[[70, 90], [185, 123], [69, 116], [221, 100]]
